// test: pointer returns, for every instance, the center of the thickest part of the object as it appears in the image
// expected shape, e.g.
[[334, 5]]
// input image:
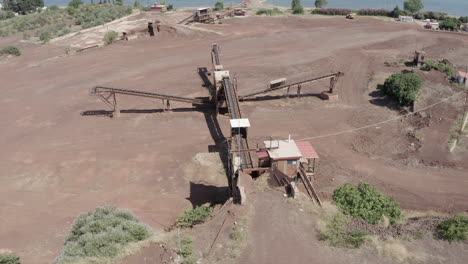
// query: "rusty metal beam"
[[286, 86], [100, 90]]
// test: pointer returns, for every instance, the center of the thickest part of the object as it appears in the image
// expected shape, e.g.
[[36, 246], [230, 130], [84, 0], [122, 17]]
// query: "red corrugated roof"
[[306, 149], [262, 154]]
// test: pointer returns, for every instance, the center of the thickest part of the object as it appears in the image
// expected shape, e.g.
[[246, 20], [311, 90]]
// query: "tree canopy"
[[403, 87], [75, 3], [321, 3], [413, 6], [22, 6], [296, 7]]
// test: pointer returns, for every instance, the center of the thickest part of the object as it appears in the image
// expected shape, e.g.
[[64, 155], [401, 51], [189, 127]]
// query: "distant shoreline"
[[252, 3]]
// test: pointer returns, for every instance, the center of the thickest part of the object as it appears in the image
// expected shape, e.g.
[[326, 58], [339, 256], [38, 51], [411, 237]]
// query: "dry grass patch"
[[395, 249]]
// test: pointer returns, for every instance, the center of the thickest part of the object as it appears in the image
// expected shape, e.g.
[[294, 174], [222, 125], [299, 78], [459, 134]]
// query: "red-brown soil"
[[57, 164]]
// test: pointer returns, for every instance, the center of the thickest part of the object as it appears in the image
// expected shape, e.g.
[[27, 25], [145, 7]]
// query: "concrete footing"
[[329, 96]]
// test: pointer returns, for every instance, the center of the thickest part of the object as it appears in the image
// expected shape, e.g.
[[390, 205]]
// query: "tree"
[[10, 5], [22, 6], [295, 3], [320, 3], [296, 7], [397, 12], [75, 3], [137, 4], [403, 87], [463, 19], [119, 2], [450, 23], [219, 6], [413, 6]]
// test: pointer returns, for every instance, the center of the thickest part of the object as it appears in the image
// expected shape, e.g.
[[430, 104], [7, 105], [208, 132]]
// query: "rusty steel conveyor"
[[107, 95], [333, 76]]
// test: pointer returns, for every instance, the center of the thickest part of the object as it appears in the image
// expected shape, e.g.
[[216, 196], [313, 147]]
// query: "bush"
[[53, 8], [463, 19], [434, 15], [9, 259], [403, 87], [337, 236], [332, 11], [296, 7], [397, 12], [218, 6], [269, 12], [366, 202], [442, 67], [110, 37], [356, 238], [6, 14], [298, 10], [194, 216], [450, 23], [102, 233], [374, 12], [454, 229], [75, 3], [11, 50]]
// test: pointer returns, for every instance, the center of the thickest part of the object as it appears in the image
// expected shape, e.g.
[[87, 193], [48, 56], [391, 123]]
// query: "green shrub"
[[454, 229], [53, 8], [298, 10], [335, 230], [463, 19], [11, 50], [76, 3], [366, 202], [110, 37], [269, 12], [6, 14], [9, 259], [194, 216], [442, 67], [237, 236], [450, 23], [102, 233], [403, 87], [355, 238], [337, 236], [186, 248], [435, 15]]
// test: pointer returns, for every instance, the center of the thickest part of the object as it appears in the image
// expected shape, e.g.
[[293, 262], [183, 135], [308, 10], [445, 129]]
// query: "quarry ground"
[[57, 164]]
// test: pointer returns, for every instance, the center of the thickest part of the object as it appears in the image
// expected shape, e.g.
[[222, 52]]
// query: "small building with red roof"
[[287, 156]]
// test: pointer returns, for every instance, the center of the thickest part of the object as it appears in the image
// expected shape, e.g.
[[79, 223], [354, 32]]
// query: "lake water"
[[176, 3], [454, 7]]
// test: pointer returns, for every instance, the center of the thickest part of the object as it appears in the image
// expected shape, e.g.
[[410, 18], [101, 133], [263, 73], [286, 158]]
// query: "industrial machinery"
[[224, 99]]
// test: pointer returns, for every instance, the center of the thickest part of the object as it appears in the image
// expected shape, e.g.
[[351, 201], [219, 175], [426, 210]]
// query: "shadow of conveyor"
[[201, 194], [220, 144]]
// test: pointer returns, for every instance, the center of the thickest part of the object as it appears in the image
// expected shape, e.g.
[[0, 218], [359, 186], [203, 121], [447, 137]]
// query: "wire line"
[[382, 122]]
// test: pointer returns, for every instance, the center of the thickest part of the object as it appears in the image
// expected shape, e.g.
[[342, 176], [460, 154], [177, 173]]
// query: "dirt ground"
[[57, 164]]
